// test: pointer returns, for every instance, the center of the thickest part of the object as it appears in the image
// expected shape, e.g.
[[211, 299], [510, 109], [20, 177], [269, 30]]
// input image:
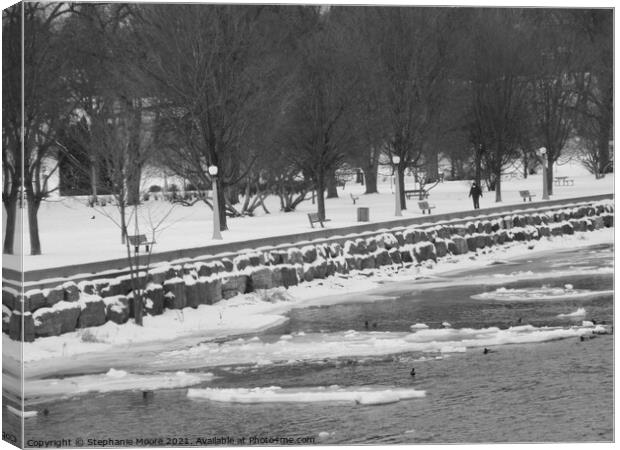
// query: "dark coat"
[[475, 191]]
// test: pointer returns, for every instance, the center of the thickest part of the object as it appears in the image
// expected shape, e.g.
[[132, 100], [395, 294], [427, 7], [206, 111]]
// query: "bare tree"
[[45, 108], [500, 89], [554, 86], [595, 82], [415, 56], [320, 129], [206, 63]]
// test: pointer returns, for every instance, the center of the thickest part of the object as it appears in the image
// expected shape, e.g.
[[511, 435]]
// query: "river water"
[[540, 382]]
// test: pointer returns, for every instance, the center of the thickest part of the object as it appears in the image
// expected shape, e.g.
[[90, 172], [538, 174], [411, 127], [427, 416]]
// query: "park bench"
[[137, 240], [526, 194], [424, 206], [419, 193], [354, 198], [564, 181], [314, 218]]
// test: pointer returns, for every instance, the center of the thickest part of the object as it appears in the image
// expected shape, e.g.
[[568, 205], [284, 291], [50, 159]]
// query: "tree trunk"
[[133, 186], [222, 205], [549, 175], [370, 173], [320, 196], [478, 167], [603, 146], [137, 307], [498, 186], [33, 224], [525, 165], [122, 210], [93, 181], [401, 182], [11, 215], [332, 184]]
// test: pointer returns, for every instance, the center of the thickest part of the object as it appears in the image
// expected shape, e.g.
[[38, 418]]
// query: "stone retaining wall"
[[67, 307]]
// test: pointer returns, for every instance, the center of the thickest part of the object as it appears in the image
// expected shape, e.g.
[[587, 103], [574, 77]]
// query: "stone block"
[[597, 222], [241, 262], [371, 244], [460, 244], [368, 261], [362, 248], [36, 299], [394, 254], [382, 258], [9, 295], [320, 268], [309, 253], [154, 299], [335, 250], [59, 319], [234, 284], [174, 293], [6, 318], [71, 292], [87, 287], [192, 294], [117, 308], [567, 228], [420, 236], [472, 245], [92, 311], [15, 326], [307, 272], [424, 251], [227, 264], [441, 247], [213, 289], [260, 278], [295, 256]]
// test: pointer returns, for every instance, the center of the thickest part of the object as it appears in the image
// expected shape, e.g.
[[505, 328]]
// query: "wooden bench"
[[137, 240], [314, 218], [418, 193], [354, 198], [526, 194], [424, 206]]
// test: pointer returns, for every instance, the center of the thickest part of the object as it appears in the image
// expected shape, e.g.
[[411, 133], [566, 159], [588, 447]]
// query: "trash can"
[[363, 215]]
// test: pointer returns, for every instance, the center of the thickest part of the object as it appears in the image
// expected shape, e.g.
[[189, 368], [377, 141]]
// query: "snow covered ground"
[[72, 233]]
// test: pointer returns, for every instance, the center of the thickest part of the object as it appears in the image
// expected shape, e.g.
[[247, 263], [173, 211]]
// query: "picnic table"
[[563, 181]]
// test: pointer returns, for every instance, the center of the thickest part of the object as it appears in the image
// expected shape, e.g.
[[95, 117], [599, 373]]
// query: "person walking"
[[475, 193]]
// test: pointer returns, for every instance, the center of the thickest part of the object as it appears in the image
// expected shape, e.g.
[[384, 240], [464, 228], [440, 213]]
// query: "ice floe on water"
[[275, 394], [316, 347], [579, 312], [18, 412], [112, 381], [542, 293]]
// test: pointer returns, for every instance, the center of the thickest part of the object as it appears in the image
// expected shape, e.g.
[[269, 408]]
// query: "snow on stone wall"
[[67, 307]]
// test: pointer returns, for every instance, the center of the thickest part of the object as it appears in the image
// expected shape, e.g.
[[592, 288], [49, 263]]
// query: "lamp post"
[[398, 209], [216, 207], [542, 152]]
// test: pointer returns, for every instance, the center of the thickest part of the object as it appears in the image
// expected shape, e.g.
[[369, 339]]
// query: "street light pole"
[[216, 207], [543, 152], [398, 208]]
